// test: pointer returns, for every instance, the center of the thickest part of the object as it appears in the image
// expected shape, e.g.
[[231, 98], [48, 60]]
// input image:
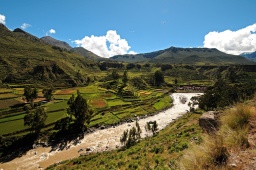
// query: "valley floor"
[[98, 141]]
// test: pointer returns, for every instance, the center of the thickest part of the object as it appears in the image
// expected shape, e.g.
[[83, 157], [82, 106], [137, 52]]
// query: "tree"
[[114, 74], [30, 94], [129, 138], [79, 108], [151, 126], [48, 94], [158, 78], [175, 81], [36, 120], [125, 77]]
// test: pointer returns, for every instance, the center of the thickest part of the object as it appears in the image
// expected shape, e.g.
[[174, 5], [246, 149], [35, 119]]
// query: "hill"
[[51, 41], [173, 55], [87, 54], [250, 56], [25, 59]]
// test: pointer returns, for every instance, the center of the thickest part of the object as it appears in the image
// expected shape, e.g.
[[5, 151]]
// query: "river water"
[[98, 141]]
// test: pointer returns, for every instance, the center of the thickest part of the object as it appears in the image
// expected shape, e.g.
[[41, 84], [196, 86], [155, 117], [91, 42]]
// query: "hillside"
[[53, 42], [250, 56], [24, 58], [87, 54], [173, 55]]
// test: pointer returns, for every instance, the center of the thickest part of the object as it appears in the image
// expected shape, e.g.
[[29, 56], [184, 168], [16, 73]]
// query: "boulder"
[[209, 122]]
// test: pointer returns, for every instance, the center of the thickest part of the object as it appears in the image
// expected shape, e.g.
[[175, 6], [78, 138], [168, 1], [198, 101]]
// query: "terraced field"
[[108, 107]]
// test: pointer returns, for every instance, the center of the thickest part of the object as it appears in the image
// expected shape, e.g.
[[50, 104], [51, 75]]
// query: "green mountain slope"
[[87, 54], [26, 59], [173, 55]]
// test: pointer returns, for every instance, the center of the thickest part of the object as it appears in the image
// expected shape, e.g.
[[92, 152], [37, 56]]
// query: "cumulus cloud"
[[105, 46], [233, 42], [2, 19], [25, 26], [51, 31]]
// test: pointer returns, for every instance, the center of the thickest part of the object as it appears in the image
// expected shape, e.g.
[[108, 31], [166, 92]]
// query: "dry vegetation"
[[218, 149]]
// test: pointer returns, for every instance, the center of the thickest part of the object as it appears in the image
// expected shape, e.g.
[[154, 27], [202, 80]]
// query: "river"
[[98, 141]]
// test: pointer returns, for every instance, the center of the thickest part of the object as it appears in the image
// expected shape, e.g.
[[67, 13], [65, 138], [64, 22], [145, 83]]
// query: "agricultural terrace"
[[109, 108]]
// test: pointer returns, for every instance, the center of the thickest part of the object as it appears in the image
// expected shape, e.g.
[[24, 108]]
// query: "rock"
[[208, 121]]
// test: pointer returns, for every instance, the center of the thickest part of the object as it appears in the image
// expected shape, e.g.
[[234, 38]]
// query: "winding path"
[[98, 141]]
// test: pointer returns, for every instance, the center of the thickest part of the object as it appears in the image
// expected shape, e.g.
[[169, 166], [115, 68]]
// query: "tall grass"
[[237, 118], [232, 135], [209, 155], [235, 126]]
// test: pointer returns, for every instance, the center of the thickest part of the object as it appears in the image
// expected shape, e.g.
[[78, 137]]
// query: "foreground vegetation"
[[216, 150]]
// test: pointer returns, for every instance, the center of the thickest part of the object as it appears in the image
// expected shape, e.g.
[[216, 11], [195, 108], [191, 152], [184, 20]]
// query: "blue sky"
[[110, 27]]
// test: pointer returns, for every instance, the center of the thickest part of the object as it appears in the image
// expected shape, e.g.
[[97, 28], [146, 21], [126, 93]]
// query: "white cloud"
[[233, 42], [105, 46], [25, 26], [2, 19], [52, 31]]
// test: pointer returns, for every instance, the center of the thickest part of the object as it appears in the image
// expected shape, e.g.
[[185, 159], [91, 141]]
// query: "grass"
[[52, 106], [13, 126], [117, 102], [98, 103], [163, 103], [4, 90], [232, 135], [8, 103], [236, 123], [11, 118], [55, 116], [65, 92], [7, 96]]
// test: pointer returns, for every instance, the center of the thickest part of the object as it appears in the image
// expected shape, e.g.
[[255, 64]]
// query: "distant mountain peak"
[[25, 34], [51, 41], [249, 55], [86, 53], [19, 30]]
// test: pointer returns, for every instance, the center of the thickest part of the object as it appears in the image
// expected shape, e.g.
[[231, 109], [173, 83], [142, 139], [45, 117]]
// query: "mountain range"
[[250, 55], [174, 55], [28, 59]]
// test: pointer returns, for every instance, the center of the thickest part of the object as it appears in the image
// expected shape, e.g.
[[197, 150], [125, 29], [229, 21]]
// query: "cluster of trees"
[[35, 119], [158, 78], [78, 112], [129, 138], [132, 136], [79, 109], [223, 94], [151, 126]]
